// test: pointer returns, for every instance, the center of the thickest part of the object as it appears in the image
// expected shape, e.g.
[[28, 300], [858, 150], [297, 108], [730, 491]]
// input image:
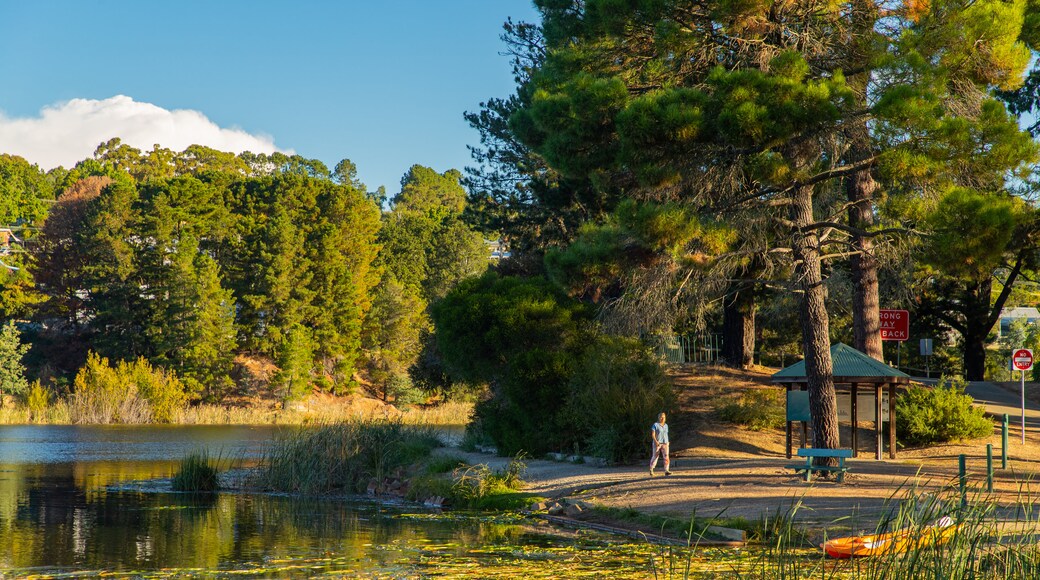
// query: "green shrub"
[[444, 464], [126, 393], [197, 474], [522, 337], [937, 415], [758, 409], [617, 390], [37, 400], [342, 456], [161, 389], [555, 380], [479, 486]]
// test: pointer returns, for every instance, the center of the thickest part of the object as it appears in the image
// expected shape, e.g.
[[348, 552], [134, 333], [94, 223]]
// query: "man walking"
[[659, 435]]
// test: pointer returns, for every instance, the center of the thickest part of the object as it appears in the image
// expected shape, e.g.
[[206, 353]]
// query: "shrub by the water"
[[757, 409], [126, 393], [617, 390], [37, 400], [341, 457], [197, 474], [521, 337], [479, 486], [556, 381], [937, 415]]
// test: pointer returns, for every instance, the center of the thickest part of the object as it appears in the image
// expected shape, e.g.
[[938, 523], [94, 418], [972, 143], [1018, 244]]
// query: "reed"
[[447, 413], [992, 541], [341, 457], [197, 473]]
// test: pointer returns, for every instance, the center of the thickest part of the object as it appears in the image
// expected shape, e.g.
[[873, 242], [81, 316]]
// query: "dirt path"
[[722, 469], [760, 487]]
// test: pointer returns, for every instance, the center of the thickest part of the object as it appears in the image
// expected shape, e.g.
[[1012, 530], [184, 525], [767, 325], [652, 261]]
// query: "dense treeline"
[[686, 164], [663, 166], [187, 260]]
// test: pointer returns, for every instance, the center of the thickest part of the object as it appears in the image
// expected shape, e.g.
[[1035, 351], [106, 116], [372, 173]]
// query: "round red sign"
[[1022, 360]]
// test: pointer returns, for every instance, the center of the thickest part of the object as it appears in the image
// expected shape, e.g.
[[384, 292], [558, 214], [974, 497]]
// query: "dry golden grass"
[[698, 431]]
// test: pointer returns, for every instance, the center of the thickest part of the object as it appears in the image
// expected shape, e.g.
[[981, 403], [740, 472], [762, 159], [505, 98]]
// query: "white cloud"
[[68, 132]]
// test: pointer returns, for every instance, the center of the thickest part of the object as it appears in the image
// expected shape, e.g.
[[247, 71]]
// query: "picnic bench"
[[809, 453]]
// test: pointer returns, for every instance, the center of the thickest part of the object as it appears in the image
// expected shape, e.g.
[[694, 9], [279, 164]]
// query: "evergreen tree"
[[12, 372], [210, 350], [295, 360], [426, 248], [744, 110]]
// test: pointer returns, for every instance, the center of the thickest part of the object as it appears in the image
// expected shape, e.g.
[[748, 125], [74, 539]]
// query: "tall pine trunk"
[[977, 325], [738, 328], [865, 300], [815, 322], [860, 188]]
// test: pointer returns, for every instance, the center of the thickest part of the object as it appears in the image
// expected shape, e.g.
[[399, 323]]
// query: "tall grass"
[[93, 408], [479, 486], [197, 473], [446, 413], [991, 542], [341, 457]]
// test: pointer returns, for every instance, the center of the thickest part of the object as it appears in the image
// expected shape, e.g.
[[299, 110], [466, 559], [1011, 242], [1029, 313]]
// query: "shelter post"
[[879, 445], [787, 412], [891, 420], [855, 419]]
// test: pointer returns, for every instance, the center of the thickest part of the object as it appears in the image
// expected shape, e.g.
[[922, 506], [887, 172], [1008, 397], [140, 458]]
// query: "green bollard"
[[1004, 442], [989, 467], [963, 472]]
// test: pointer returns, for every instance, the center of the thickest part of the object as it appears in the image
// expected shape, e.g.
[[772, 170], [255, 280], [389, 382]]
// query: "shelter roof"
[[850, 366]]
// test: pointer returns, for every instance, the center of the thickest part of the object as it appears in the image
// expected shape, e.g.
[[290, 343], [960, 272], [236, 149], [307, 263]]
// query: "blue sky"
[[382, 83]]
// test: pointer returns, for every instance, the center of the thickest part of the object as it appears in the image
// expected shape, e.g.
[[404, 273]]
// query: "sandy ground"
[[723, 469]]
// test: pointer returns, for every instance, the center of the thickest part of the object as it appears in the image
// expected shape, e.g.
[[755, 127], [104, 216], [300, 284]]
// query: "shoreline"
[[756, 490]]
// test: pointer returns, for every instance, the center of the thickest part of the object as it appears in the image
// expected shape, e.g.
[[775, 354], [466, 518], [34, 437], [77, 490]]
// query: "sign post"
[[1022, 360], [926, 352]]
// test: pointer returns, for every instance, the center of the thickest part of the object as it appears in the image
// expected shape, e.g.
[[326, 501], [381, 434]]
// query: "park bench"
[[810, 453]]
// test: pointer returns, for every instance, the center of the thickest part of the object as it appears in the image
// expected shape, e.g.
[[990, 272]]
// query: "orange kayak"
[[893, 542]]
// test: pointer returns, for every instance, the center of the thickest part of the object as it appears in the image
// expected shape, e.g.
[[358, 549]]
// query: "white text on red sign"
[[894, 324]]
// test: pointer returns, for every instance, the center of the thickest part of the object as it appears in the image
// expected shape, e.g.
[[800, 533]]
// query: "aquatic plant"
[[341, 457], [991, 542], [479, 486], [196, 474]]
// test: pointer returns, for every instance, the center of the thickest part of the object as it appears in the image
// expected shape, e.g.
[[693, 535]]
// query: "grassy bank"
[[990, 541], [264, 413], [388, 456], [342, 457]]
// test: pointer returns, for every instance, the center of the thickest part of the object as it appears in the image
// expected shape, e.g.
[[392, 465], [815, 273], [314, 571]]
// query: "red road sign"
[[1022, 359], [895, 324]]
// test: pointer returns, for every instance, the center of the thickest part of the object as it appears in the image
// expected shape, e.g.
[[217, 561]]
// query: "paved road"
[[998, 401]]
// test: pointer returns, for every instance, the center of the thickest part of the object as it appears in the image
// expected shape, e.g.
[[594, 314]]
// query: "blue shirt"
[[660, 432]]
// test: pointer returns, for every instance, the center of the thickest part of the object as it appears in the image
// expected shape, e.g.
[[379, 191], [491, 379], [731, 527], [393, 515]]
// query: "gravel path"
[[721, 469]]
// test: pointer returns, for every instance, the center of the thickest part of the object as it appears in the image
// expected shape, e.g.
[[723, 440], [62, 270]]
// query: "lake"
[[93, 501]]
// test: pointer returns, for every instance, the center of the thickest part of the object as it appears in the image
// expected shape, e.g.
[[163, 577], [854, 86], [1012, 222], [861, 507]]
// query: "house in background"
[[1008, 315], [497, 249]]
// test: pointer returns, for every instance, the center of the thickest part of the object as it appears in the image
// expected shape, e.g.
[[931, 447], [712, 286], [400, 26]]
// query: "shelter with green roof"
[[852, 370]]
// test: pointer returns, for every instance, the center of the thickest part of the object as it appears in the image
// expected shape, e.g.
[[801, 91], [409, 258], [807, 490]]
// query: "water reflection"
[[99, 514]]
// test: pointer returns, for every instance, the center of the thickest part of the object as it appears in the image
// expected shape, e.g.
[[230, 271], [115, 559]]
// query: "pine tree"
[[12, 372], [744, 110]]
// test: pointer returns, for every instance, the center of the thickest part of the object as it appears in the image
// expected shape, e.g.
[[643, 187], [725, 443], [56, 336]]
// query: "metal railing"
[[691, 349]]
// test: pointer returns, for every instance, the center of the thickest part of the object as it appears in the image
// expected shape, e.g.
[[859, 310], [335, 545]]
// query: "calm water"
[[95, 501]]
